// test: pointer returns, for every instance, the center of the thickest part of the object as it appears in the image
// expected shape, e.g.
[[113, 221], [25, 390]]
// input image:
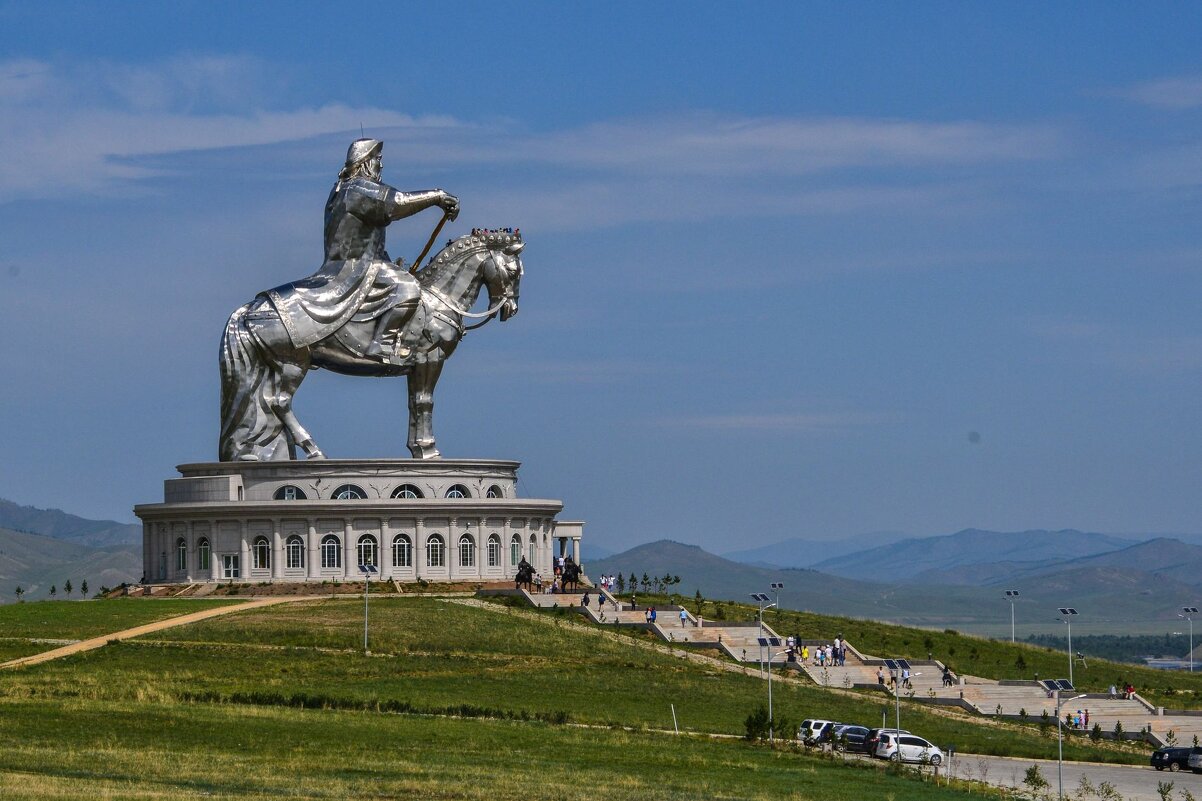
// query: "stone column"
[[419, 548], [190, 550], [348, 551], [214, 562], [314, 550], [576, 550], [453, 549], [277, 550], [243, 552], [385, 550]]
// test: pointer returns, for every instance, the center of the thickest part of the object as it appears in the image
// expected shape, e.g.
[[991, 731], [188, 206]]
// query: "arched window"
[[202, 553], [494, 550], [369, 551], [515, 549], [349, 492], [331, 551], [458, 491], [289, 493], [402, 551], [495, 492], [533, 557], [294, 548], [262, 554], [407, 491], [467, 551], [436, 551], [181, 554]]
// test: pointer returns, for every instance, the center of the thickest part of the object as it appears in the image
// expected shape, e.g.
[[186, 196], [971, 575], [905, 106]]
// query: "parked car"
[[822, 734], [850, 737], [1194, 761], [1174, 758], [907, 748], [810, 727], [874, 735]]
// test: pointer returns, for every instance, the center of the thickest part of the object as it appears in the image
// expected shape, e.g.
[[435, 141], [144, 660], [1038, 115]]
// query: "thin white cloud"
[[1114, 346], [96, 127], [1177, 93]]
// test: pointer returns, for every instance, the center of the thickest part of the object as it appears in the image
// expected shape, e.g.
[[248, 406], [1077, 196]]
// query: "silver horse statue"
[[262, 366]]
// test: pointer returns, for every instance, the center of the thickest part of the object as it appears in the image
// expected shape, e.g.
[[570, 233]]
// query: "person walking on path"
[[684, 617]]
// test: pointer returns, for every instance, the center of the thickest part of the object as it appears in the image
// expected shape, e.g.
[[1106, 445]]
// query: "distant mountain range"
[[954, 579], [40, 548]]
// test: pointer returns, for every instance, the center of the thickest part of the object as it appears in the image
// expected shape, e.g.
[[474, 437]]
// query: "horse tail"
[[250, 426]]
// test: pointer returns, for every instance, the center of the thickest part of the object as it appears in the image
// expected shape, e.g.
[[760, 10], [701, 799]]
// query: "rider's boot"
[[392, 321]]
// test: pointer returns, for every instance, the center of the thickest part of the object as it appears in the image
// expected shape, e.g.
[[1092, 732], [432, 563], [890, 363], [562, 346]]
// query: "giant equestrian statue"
[[360, 314]]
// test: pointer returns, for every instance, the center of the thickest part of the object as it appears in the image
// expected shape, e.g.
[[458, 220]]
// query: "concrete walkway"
[[137, 631]]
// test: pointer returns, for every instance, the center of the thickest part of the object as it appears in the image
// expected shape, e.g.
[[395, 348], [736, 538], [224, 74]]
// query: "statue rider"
[[357, 279]]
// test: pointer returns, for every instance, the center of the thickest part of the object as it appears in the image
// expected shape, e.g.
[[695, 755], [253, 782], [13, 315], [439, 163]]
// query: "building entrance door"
[[230, 567]]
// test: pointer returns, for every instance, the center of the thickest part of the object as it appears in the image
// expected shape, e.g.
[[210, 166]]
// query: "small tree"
[[1034, 779], [18, 592], [1118, 730], [646, 583], [83, 588], [53, 591], [621, 584], [756, 724], [1095, 733], [1020, 664], [1164, 790], [633, 582], [1045, 721], [67, 588], [699, 599], [1170, 738]]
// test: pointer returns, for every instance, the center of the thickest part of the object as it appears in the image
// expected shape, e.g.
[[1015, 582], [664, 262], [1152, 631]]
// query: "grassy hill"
[[63, 526], [35, 563], [456, 700]]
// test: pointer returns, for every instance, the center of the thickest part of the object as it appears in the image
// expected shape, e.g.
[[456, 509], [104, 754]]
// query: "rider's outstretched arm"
[[405, 204]]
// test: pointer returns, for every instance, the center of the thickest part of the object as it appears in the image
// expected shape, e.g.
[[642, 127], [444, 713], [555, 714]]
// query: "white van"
[[907, 748], [810, 727]]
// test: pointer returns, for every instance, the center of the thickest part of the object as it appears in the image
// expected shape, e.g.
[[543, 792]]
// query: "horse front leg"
[[422, 381], [293, 374]]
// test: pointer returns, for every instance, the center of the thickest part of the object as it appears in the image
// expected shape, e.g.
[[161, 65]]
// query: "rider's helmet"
[[359, 151]]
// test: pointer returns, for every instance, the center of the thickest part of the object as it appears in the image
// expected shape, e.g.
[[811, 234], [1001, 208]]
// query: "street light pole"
[[770, 642], [762, 599], [367, 570], [1060, 745], [1188, 613], [1068, 612], [1010, 596]]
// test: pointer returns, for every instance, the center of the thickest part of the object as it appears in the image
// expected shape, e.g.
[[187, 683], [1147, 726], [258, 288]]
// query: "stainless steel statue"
[[360, 314]]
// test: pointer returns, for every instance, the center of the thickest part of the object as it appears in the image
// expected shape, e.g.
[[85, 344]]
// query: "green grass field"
[[78, 620], [103, 750], [281, 701]]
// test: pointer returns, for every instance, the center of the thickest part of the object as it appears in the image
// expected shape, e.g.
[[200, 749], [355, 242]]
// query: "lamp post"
[[1068, 613], [763, 601], [770, 643], [1060, 744], [366, 570], [895, 667], [1010, 596], [1188, 613], [777, 586]]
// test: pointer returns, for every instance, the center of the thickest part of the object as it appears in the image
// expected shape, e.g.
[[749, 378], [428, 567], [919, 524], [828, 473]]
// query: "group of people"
[[607, 583], [1128, 691], [1080, 720]]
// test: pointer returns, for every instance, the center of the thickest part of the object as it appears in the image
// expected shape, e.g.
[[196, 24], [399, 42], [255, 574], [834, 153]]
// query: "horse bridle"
[[487, 315]]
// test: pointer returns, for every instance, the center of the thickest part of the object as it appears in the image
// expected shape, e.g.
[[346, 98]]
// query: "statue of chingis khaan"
[[360, 314]]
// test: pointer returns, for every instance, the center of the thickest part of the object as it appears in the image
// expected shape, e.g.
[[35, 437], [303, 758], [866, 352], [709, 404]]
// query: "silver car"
[[907, 748]]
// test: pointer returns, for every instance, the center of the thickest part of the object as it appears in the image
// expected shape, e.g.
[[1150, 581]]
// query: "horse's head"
[[503, 272]]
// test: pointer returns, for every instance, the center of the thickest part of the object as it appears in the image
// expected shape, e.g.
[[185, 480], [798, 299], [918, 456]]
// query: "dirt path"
[[137, 631]]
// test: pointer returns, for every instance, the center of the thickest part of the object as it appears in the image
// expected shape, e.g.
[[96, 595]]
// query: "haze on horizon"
[[792, 270]]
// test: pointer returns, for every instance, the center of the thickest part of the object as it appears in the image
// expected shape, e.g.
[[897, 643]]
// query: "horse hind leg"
[[299, 435]]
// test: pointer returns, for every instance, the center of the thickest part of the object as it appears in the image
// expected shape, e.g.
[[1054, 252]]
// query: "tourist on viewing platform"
[[906, 679], [947, 676], [1114, 693], [653, 614], [584, 599], [805, 653], [684, 617], [880, 677], [1085, 720]]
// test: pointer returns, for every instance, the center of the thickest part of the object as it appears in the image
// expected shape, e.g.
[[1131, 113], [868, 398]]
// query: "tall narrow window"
[[331, 551], [402, 551], [515, 550], [435, 551], [294, 549], [369, 551], [494, 550], [202, 553], [533, 557], [262, 554], [181, 554], [467, 551]]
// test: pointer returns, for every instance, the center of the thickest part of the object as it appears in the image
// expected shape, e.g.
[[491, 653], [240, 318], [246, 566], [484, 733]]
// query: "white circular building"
[[440, 520]]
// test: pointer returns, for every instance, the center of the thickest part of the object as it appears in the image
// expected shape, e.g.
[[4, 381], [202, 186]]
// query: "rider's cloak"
[[356, 214]]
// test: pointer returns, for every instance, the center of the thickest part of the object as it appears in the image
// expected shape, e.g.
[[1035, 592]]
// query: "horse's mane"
[[455, 250]]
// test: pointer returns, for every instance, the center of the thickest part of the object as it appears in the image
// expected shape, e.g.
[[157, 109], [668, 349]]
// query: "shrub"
[[756, 724], [1034, 779]]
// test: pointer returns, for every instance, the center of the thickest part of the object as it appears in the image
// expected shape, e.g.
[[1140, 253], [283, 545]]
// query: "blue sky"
[[792, 270]]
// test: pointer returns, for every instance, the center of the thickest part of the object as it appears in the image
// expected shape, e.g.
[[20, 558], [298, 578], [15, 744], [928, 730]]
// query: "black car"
[[874, 735], [1173, 758], [851, 738]]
